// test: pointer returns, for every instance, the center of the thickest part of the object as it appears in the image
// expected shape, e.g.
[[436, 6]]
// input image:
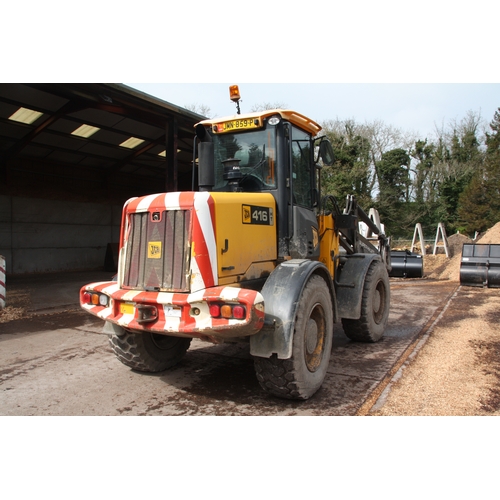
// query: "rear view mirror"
[[326, 152]]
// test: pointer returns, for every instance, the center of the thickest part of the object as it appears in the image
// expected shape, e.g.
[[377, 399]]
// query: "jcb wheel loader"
[[253, 255]]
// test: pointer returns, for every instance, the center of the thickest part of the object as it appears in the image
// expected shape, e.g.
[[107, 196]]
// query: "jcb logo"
[[154, 250], [247, 214], [257, 215]]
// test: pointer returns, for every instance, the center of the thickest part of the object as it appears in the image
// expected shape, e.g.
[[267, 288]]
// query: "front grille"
[[158, 252]]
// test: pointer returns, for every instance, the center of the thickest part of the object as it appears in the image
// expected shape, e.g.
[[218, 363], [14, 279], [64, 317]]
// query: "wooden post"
[[441, 230], [418, 229]]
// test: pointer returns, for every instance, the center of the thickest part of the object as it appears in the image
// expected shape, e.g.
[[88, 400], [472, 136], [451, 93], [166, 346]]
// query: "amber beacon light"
[[234, 95]]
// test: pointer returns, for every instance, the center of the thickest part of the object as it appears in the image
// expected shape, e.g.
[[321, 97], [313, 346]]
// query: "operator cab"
[[270, 151], [251, 151]]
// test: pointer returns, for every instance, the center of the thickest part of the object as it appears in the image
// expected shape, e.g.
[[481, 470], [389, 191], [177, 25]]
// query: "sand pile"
[[491, 236]]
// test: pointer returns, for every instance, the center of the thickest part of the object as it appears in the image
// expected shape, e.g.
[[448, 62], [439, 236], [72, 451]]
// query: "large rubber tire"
[[375, 305], [148, 352], [302, 375]]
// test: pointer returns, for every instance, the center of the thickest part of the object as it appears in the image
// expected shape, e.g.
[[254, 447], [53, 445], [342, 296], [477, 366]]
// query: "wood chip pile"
[[442, 268]]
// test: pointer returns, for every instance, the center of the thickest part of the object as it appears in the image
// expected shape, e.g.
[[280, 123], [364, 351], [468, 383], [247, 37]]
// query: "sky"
[[413, 65], [420, 108]]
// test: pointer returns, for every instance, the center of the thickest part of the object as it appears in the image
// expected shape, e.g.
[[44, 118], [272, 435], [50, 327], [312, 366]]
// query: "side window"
[[302, 168]]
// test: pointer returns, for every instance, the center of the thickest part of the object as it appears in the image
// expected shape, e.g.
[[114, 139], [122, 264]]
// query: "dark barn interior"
[[70, 156]]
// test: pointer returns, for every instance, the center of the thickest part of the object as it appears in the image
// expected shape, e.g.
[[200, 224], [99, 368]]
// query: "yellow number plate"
[[237, 125], [127, 308]]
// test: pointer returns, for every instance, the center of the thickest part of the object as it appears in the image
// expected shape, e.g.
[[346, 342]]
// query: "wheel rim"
[[378, 302], [314, 338]]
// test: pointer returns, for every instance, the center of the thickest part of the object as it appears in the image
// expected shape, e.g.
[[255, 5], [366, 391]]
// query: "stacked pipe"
[[406, 264]]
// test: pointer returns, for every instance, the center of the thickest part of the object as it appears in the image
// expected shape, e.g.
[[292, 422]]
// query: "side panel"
[[282, 293], [328, 242], [246, 240]]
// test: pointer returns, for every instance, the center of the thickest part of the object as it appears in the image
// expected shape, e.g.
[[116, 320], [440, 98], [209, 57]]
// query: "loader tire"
[[375, 304], [148, 352], [302, 375]]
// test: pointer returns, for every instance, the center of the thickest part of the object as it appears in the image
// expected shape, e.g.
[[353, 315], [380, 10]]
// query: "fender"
[[350, 283], [282, 292]]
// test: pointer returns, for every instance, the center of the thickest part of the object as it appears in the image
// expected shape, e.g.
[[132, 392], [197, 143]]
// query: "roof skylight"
[[164, 152], [85, 131], [132, 142], [25, 115]]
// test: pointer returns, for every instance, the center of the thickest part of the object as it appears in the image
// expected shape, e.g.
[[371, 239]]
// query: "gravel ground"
[[457, 371]]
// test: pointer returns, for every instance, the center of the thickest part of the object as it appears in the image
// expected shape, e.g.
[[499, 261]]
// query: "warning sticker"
[[154, 249]]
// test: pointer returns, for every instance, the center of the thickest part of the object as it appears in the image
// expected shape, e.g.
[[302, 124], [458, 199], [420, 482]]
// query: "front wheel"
[[302, 375], [148, 352], [375, 304]]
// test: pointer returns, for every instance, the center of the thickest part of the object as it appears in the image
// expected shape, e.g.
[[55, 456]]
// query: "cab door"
[[304, 241]]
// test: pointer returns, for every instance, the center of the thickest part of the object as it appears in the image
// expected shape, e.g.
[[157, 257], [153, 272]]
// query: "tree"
[[394, 187], [479, 203], [458, 160], [350, 173], [473, 206], [423, 154], [264, 106], [200, 109], [492, 169]]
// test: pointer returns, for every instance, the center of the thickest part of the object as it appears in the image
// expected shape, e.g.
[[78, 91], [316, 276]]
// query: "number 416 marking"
[[257, 215], [260, 216]]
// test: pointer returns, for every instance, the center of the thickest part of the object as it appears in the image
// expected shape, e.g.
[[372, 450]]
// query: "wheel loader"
[[255, 255]]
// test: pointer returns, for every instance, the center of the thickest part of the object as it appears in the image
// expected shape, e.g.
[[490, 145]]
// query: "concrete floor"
[[57, 362]]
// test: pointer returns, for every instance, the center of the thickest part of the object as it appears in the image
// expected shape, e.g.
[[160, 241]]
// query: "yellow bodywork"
[[328, 243], [246, 239]]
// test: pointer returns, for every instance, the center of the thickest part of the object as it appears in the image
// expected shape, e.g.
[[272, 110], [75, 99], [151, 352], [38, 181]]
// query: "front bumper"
[[178, 314]]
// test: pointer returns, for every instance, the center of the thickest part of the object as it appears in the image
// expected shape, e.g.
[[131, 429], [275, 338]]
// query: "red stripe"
[[186, 200], [132, 206], [202, 255], [158, 203]]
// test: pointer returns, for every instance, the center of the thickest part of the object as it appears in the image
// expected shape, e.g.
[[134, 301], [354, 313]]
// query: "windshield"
[[256, 151]]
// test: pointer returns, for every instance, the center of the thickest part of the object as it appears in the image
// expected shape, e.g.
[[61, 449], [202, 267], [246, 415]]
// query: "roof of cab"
[[297, 119]]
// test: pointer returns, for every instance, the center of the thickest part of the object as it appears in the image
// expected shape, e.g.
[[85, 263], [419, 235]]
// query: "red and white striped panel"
[[174, 310], [203, 246], [3, 293]]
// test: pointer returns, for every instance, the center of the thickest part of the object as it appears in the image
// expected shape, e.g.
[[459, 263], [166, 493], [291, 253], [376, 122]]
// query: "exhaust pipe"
[[206, 168]]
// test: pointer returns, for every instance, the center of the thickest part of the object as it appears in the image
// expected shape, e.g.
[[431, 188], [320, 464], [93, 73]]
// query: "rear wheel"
[[375, 304], [148, 352], [302, 375]]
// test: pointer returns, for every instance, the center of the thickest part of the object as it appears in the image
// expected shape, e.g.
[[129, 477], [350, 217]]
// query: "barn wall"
[[44, 235]]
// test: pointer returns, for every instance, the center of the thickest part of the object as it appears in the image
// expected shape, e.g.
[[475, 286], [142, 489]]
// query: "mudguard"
[[282, 292], [350, 283]]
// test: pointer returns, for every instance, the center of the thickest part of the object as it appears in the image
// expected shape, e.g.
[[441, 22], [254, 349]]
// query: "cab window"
[[302, 168], [256, 151]]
